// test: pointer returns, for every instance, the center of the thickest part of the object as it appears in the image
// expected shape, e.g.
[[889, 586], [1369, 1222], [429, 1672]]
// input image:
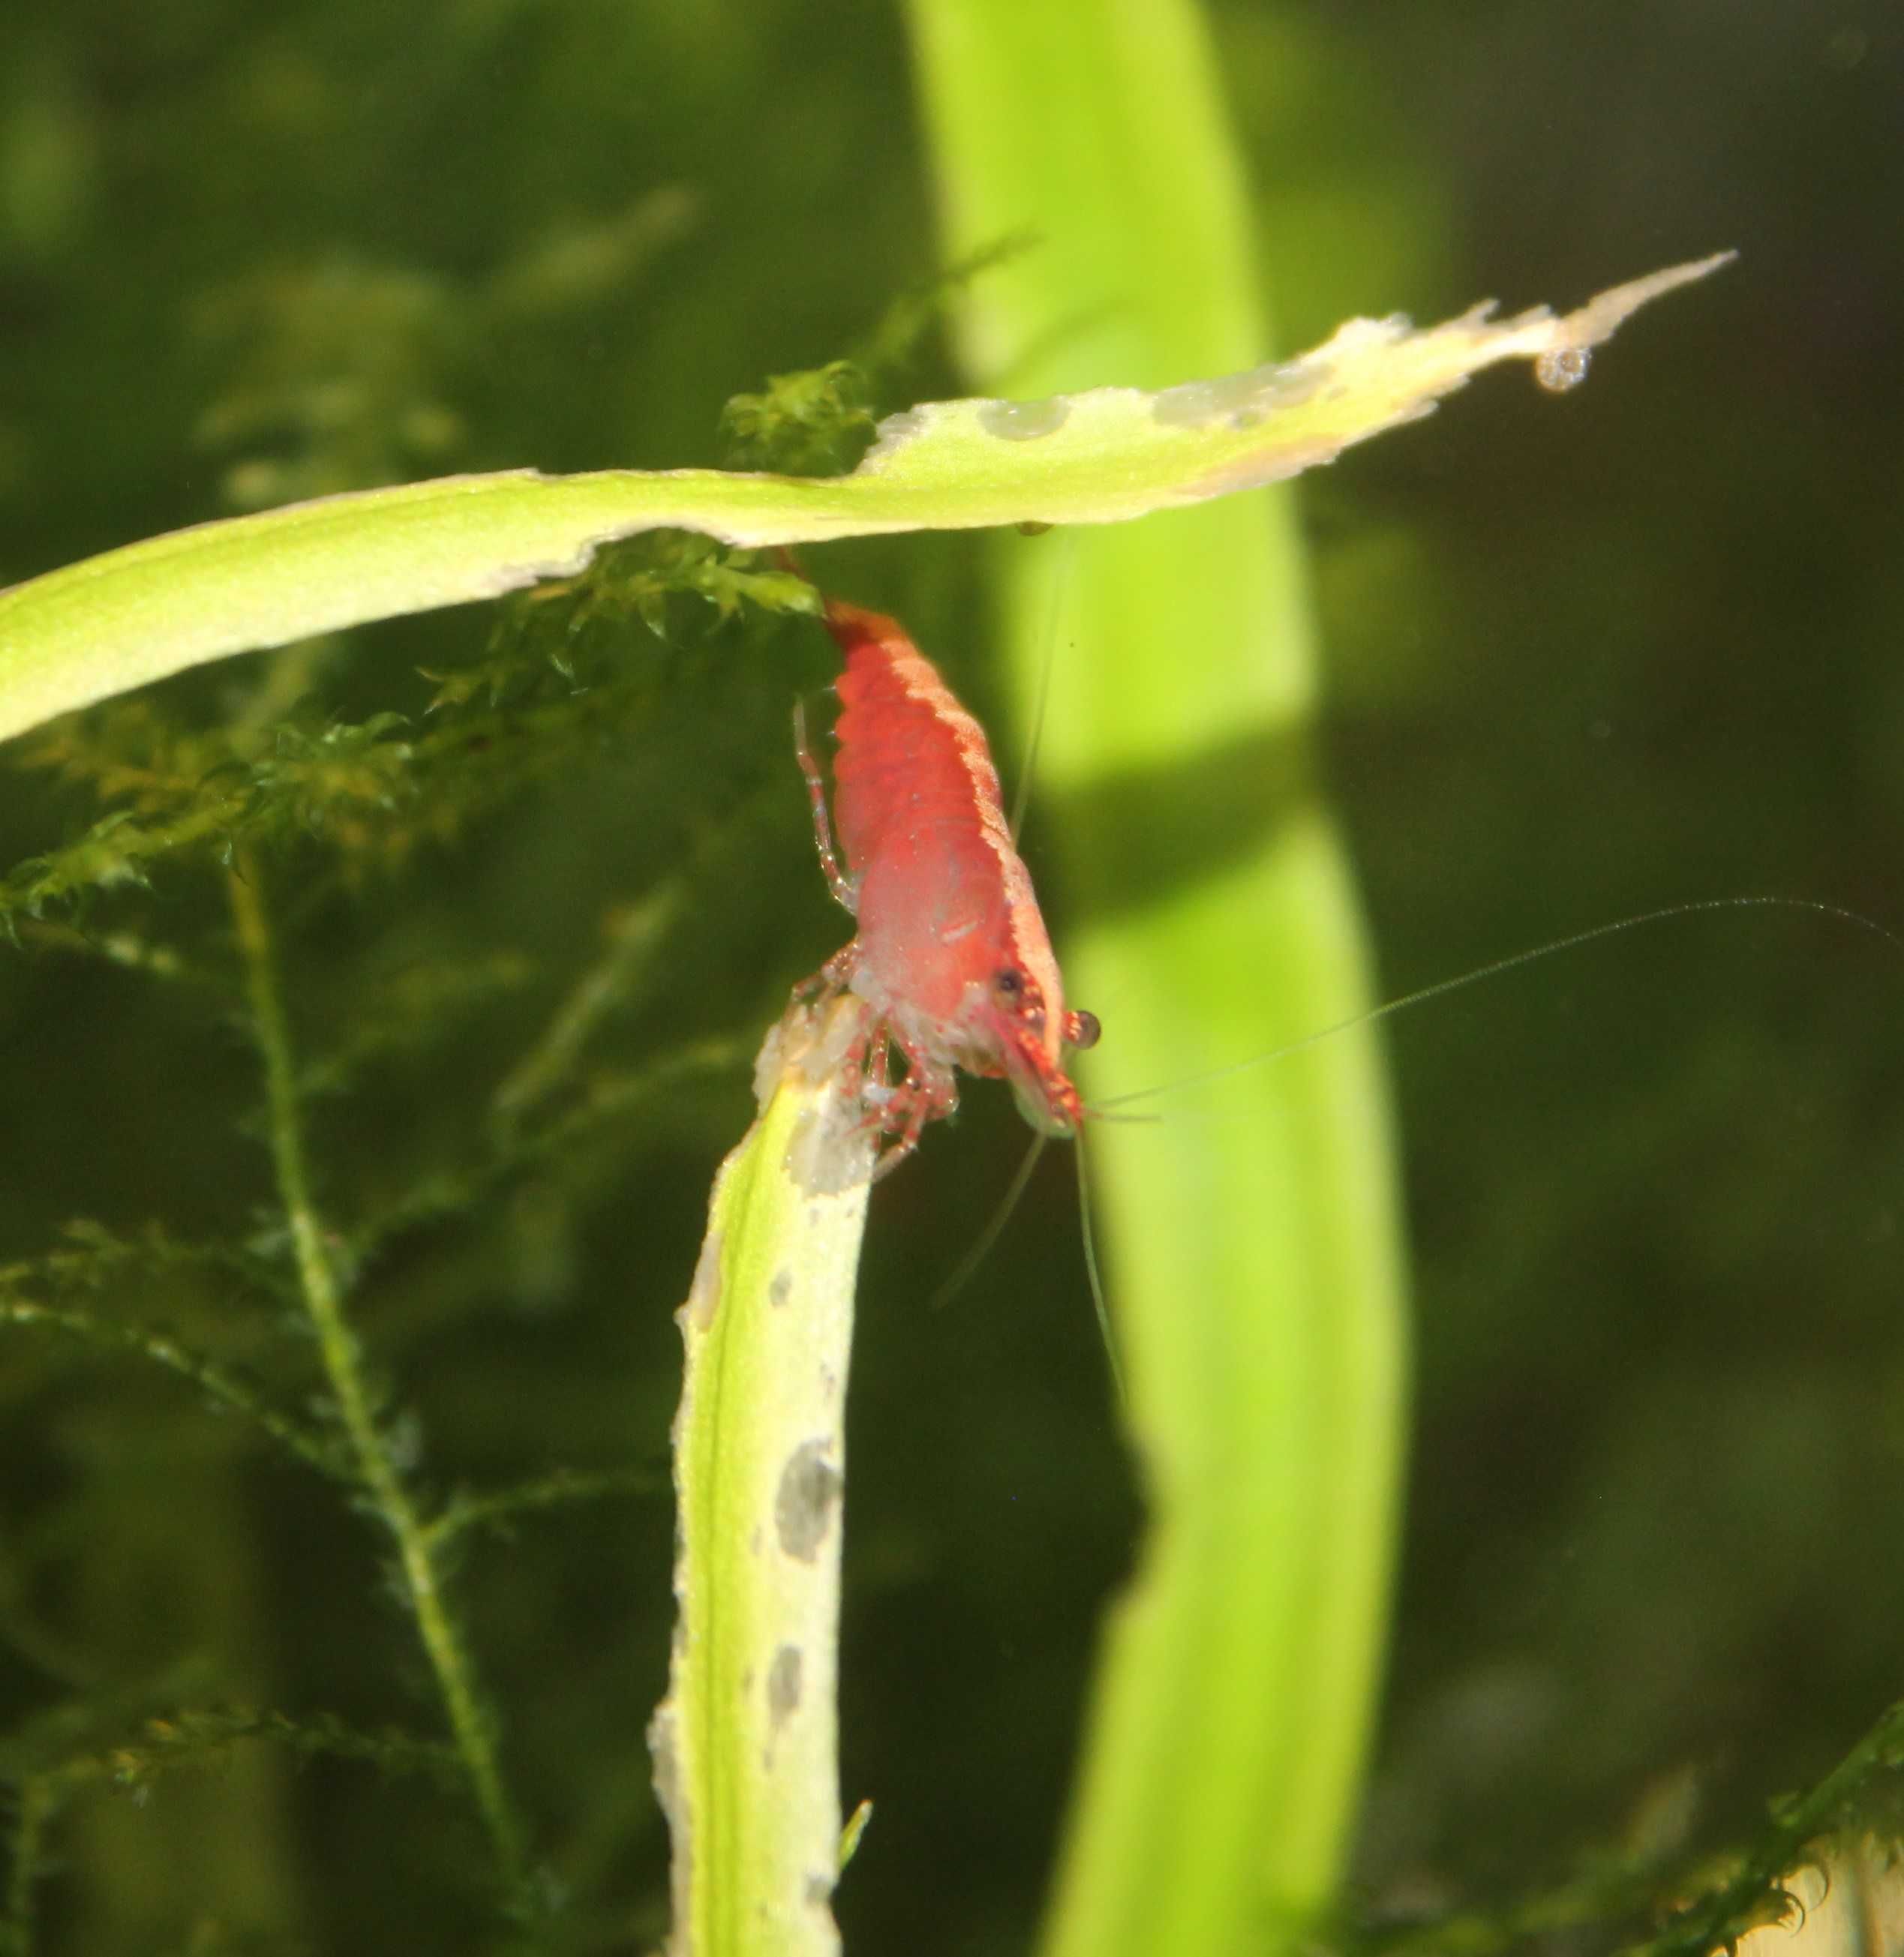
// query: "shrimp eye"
[[1010, 982], [1081, 1029]]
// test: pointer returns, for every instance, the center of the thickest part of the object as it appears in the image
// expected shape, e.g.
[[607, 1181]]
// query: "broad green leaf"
[[1252, 1238]]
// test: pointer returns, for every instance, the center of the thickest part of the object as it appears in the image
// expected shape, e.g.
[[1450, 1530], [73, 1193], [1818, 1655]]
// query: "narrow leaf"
[[110, 623], [745, 1744]]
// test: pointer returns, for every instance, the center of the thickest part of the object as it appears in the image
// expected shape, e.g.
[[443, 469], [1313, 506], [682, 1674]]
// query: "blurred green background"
[[1585, 657]]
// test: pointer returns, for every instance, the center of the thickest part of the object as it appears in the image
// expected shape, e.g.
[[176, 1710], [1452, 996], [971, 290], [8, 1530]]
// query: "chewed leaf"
[[745, 1745], [119, 621], [1115, 453]]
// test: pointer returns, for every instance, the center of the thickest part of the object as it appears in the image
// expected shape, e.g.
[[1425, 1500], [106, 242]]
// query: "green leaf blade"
[[1251, 1237], [745, 1745], [121, 620]]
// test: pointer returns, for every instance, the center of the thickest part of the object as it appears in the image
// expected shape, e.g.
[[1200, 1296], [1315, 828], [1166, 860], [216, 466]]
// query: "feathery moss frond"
[[560, 676], [464, 1513], [219, 1385], [1865, 1790], [603, 1099], [820, 420], [94, 1255]]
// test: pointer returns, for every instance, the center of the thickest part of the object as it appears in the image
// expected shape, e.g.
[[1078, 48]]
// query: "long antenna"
[[964, 1271], [1099, 1303], [1494, 969]]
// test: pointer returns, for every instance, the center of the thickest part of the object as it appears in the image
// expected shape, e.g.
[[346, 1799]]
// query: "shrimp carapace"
[[950, 958]]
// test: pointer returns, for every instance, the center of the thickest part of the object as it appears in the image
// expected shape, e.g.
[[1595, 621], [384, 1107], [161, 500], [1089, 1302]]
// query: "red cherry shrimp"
[[950, 958], [950, 962]]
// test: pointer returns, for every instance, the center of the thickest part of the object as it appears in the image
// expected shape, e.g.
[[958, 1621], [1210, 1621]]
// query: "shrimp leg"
[[837, 881]]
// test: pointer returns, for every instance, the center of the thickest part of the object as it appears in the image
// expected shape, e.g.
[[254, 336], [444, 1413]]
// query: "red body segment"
[[951, 956]]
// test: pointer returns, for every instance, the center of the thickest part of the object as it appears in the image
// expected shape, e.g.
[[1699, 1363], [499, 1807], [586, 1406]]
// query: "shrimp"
[[951, 960]]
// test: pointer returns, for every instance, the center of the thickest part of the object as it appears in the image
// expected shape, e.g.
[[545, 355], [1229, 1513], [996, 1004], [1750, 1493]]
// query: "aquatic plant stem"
[[342, 1356], [1753, 1894]]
